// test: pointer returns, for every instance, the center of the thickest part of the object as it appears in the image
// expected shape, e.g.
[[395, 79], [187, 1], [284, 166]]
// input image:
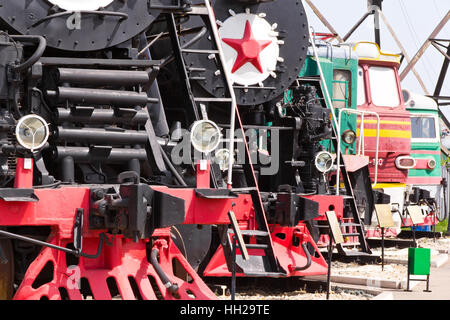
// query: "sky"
[[412, 20]]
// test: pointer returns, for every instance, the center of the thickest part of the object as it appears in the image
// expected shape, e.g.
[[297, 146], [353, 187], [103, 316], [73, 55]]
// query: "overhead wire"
[[416, 41]]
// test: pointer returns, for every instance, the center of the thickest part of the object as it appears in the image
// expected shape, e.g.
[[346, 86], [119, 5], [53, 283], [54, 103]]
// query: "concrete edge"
[[373, 283], [439, 260], [436, 262], [346, 286], [350, 287], [384, 296]]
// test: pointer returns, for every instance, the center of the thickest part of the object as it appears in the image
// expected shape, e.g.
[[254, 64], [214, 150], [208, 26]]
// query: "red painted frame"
[[57, 209]]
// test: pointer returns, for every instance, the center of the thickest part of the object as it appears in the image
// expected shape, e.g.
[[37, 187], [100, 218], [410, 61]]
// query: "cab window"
[[383, 87], [341, 88], [423, 128]]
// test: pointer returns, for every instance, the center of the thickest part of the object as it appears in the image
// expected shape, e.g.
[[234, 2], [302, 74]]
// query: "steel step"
[[350, 234], [349, 253], [256, 246], [265, 274], [200, 51], [207, 99], [350, 224], [255, 233], [243, 189], [197, 78]]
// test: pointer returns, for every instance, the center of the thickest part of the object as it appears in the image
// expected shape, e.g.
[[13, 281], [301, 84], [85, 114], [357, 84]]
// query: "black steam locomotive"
[[122, 97]]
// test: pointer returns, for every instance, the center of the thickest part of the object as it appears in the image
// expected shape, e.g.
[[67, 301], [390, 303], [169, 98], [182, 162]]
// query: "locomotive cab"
[[425, 178], [381, 93]]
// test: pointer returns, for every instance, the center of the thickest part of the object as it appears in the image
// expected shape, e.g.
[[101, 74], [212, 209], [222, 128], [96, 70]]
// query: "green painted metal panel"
[[435, 172], [419, 261], [328, 66], [425, 146]]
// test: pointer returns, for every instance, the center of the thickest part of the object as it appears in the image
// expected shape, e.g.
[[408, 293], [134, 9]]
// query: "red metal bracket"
[[24, 173], [121, 271], [288, 251]]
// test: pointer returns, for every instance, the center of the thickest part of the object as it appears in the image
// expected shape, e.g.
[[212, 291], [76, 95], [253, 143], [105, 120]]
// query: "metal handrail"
[[329, 102], [122, 16], [230, 89], [361, 148]]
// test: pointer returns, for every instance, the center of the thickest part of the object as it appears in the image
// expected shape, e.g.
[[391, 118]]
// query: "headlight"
[[205, 136], [349, 136], [222, 158], [32, 132], [405, 162], [431, 164], [324, 161]]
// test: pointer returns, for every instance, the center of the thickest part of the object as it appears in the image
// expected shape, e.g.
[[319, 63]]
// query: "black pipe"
[[308, 258], [97, 135], [99, 250], [101, 96], [102, 77], [122, 15], [135, 166], [46, 244], [42, 44], [172, 287], [86, 154], [104, 116], [89, 62], [172, 168]]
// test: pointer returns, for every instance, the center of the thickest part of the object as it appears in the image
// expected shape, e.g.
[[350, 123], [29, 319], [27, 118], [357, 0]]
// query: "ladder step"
[[200, 51], [197, 78], [351, 253], [255, 233], [198, 11], [243, 189], [205, 99], [195, 69], [265, 274], [350, 224], [350, 234], [256, 246]]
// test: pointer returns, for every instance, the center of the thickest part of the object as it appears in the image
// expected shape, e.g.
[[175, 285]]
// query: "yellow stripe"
[[386, 121], [386, 133], [383, 185], [388, 185]]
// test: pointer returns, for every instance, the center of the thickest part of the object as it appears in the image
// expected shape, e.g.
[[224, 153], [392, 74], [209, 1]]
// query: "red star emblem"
[[248, 49]]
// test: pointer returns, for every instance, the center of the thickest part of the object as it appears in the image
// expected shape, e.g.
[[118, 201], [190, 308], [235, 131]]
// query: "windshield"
[[423, 128], [383, 86]]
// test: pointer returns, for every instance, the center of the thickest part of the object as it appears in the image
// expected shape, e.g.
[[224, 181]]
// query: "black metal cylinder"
[[134, 165], [85, 154], [103, 116], [67, 169], [97, 135], [100, 96], [102, 77]]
